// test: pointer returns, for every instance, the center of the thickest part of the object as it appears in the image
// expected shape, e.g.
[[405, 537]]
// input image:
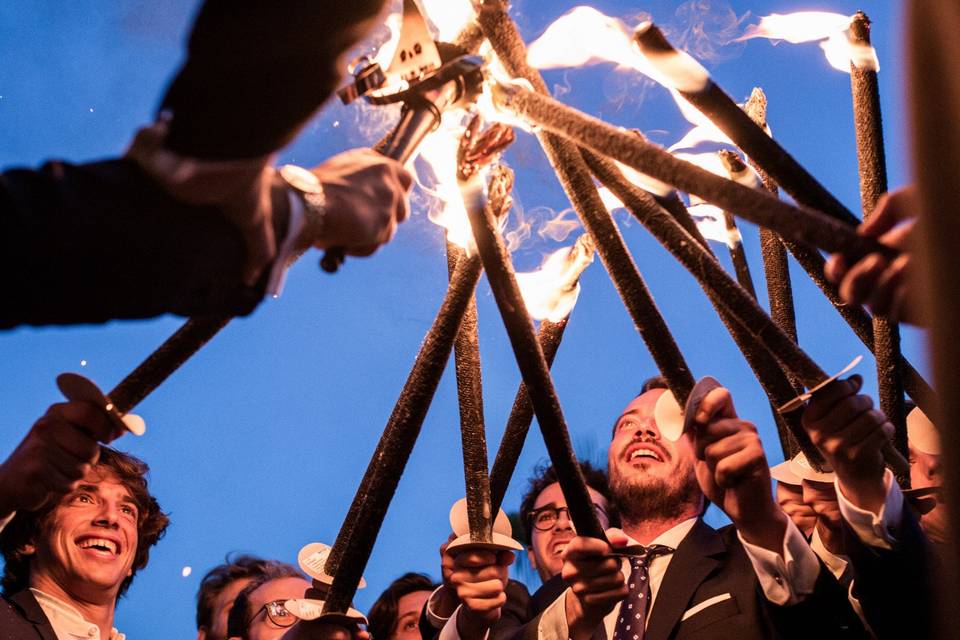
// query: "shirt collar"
[[67, 621], [673, 536]]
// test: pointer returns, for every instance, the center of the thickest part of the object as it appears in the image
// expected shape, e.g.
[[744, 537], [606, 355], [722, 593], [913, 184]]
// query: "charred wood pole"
[[578, 184], [714, 102], [812, 262], [800, 224], [167, 358], [466, 358], [360, 527], [873, 184], [752, 330], [534, 370], [776, 382], [735, 167], [549, 336]]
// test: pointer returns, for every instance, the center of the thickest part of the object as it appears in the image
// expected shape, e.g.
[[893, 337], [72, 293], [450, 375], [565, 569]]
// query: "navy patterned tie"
[[632, 620]]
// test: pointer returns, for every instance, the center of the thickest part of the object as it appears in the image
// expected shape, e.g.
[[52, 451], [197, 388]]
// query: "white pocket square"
[[709, 602]]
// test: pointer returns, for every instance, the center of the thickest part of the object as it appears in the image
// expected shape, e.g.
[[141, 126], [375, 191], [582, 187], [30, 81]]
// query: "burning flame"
[[810, 26], [551, 291], [712, 223], [449, 17], [439, 151], [585, 36]]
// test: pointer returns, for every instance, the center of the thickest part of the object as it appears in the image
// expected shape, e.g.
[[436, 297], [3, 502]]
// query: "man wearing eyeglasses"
[[259, 612]]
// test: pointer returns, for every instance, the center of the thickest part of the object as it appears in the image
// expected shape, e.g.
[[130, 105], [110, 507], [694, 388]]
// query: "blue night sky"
[[257, 444]]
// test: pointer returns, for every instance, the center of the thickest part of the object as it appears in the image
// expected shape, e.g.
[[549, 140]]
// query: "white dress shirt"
[[67, 622], [785, 578], [875, 529]]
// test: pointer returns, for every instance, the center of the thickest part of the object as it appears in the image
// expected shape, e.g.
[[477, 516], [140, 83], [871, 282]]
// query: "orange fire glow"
[[551, 291]]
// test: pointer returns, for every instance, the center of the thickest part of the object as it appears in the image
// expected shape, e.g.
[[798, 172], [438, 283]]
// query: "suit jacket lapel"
[[32, 612], [692, 562]]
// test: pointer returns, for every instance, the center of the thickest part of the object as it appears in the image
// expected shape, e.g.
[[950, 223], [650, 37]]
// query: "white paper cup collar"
[[502, 538], [799, 401], [922, 433], [78, 388], [783, 474], [309, 609], [312, 560], [800, 467], [669, 416]]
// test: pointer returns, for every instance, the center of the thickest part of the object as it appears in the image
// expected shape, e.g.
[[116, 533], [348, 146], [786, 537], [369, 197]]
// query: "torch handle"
[[401, 145]]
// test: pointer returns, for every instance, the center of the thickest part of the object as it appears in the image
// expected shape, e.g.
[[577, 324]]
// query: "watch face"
[[300, 179]]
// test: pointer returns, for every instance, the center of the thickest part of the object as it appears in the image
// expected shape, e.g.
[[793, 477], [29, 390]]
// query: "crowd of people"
[[839, 551]]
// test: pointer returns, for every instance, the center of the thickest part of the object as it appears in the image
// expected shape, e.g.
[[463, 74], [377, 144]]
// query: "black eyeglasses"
[[276, 613], [545, 518]]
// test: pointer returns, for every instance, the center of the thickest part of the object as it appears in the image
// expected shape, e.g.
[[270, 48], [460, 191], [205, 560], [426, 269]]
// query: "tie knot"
[[649, 553]]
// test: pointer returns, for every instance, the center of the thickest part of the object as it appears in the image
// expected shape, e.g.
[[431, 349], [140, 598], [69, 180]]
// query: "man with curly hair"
[[80, 522]]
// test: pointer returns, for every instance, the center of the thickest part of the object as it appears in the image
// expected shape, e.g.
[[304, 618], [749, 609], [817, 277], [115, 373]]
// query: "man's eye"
[[410, 626], [130, 511], [82, 497]]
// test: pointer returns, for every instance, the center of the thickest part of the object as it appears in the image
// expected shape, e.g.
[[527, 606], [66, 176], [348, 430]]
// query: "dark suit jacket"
[[99, 241], [710, 563], [895, 586], [21, 618]]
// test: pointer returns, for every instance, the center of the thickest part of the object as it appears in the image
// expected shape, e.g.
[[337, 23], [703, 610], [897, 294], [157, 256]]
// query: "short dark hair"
[[545, 475], [238, 623], [383, 613], [27, 525], [240, 567]]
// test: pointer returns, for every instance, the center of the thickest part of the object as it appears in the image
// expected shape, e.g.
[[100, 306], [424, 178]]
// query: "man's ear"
[[27, 549], [532, 558]]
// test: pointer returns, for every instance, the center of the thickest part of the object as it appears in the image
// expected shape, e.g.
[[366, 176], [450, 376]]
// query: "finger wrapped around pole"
[[578, 184], [797, 223], [351, 551]]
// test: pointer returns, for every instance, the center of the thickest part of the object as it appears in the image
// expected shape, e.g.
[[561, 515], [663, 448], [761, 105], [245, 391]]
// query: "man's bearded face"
[[650, 476]]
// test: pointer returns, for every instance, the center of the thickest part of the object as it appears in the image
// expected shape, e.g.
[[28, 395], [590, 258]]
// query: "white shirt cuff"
[[835, 563], [553, 621], [449, 630], [5, 521], [437, 622], [787, 577], [289, 251], [875, 529]]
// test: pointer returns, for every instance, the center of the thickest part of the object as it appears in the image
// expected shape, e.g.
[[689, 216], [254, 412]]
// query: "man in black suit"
[[756, 579], [192, 220], [894, 562], [79, 523]]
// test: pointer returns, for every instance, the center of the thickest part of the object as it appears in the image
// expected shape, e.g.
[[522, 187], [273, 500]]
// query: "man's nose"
[[108, 515], [647, 429], [563, 521]]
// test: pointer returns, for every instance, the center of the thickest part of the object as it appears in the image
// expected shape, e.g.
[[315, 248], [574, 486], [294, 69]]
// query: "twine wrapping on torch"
[[549, 336], [166, 359], [752, 330], [797, 223], [735, 166], [576, 181], [473, 439], [351, 551], [714, 103], [775, 265], [873, 184]]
